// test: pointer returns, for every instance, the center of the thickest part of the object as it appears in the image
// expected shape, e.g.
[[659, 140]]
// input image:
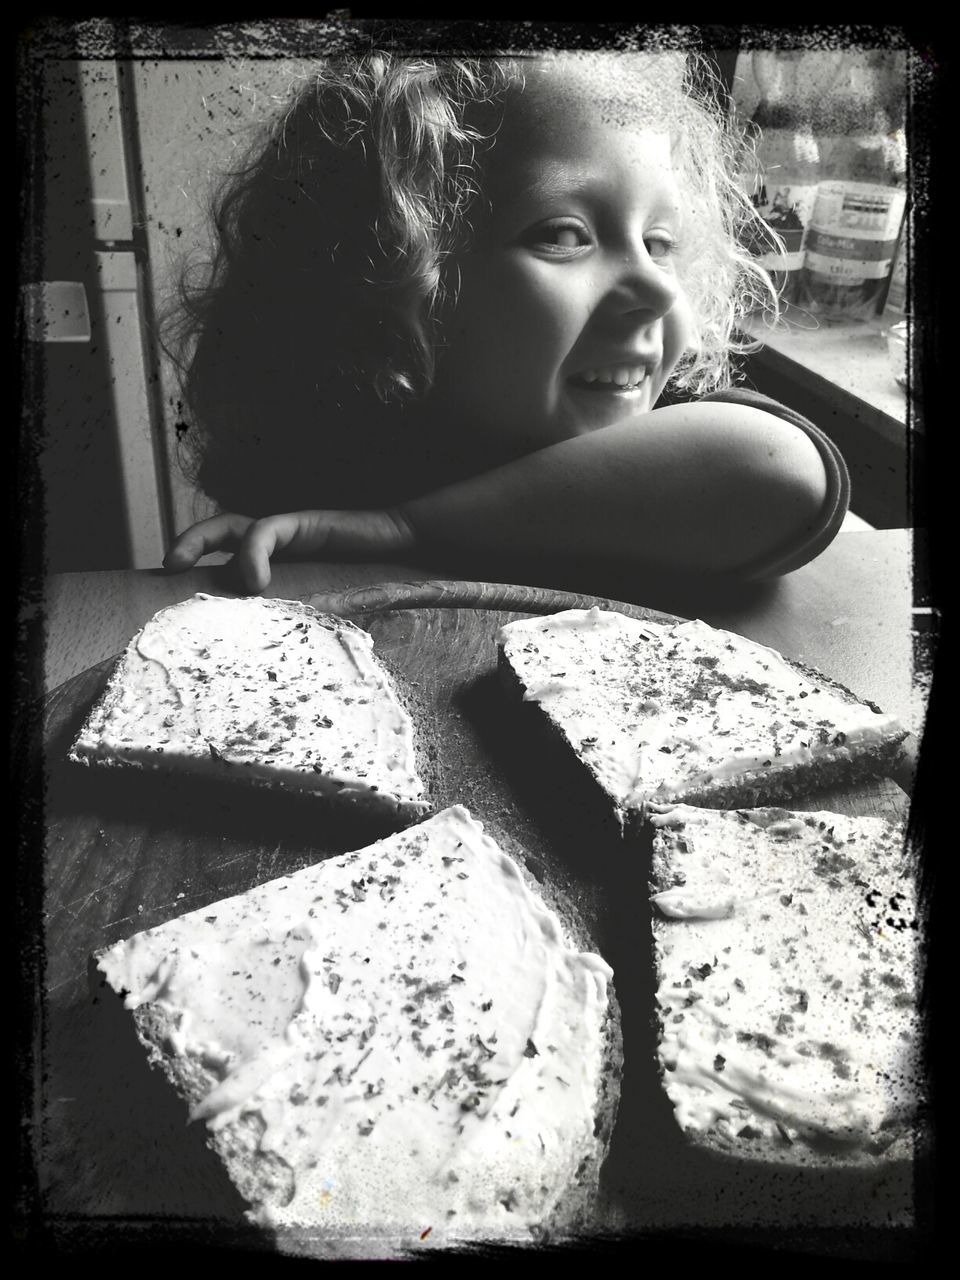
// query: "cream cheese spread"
[[269, 690], [418, 1042], [786, 951], [660, 711]]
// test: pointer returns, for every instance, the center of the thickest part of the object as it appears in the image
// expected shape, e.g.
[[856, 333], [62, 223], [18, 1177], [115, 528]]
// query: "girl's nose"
[[641, 285]]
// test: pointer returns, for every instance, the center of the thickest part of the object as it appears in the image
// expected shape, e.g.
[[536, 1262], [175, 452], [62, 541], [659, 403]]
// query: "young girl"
[[446, 301]]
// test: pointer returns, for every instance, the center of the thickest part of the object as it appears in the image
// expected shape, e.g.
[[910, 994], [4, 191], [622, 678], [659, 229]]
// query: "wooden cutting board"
[[125, 853]]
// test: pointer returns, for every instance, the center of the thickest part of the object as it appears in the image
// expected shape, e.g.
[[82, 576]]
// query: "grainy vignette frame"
[[295, 38]]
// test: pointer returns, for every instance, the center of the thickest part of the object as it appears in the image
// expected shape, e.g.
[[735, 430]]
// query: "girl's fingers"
[[253, 558], [300, 531], [255, 542], [218, 533]]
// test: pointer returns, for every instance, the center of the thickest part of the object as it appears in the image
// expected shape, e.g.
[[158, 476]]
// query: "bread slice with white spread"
[[786, 949], [259, 691], [392, 1048], [689, 713]]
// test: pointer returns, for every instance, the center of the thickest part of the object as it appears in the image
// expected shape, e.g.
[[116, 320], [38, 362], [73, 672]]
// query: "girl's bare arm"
[[700, 488], [693, 488]]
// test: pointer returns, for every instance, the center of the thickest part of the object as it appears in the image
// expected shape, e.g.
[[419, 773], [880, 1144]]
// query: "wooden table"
[[847, 613]]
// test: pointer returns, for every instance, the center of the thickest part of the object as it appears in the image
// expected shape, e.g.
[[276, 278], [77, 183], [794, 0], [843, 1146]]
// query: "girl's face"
[[569, 315]]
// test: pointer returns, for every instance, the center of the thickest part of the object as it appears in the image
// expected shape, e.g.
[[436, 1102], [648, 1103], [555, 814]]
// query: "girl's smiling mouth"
[[606, 395], [611, 379], [619, 374], [618, 384]]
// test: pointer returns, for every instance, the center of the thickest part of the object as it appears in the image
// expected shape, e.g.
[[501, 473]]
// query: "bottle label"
[[786, 207], [863, 210], [781, 261], [841, 256], [787, 210], [850, 245]]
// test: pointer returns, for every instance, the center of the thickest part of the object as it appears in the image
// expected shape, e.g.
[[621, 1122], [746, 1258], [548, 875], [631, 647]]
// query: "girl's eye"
[[660, 247], [560, 237], [565, 237]]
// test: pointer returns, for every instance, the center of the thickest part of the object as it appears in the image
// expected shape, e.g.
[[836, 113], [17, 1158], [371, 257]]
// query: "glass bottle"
[[859, 209], [788, 163]]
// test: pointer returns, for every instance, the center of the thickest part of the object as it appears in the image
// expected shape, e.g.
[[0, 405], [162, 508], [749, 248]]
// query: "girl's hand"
[[328, 534]]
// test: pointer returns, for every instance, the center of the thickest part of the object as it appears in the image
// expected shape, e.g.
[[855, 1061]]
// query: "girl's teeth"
[[621, 376]]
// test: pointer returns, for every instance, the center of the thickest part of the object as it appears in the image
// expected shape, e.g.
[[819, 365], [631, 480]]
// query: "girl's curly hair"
[[321, 312]]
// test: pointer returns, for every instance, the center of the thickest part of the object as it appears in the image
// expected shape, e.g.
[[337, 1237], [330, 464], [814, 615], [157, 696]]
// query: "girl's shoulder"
[[838, 477]]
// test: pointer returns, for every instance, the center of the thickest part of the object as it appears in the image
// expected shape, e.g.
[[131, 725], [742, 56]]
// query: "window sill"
[[840, 376], [847, 360]]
